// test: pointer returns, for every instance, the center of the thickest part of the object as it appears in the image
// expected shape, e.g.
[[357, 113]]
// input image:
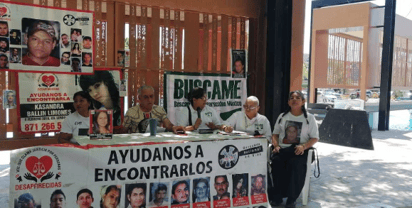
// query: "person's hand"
[[228, 129], [197, 123], [300, 149], [276, 149], [178, 129], [211, 125]]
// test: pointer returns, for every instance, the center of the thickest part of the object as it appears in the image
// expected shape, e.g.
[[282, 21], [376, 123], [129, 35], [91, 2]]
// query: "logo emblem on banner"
[[39, 168], [48, 80], [70, 20], [4, 12], [228, 157]]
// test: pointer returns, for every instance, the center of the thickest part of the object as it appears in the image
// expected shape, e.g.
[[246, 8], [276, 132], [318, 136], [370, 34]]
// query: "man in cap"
[[26, 201], [41, 40]]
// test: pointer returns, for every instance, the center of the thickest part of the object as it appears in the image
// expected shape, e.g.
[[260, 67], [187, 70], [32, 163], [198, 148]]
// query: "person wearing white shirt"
[[197, 115], [250, 120], [294, 133], [77, 123]]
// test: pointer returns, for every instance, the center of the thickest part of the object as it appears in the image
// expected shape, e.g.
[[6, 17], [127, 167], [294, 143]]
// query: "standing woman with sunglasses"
[[249, 120], [289, 159], [197, 115]]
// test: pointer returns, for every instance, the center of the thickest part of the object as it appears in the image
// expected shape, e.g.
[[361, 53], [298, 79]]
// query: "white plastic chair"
[[305, 190]]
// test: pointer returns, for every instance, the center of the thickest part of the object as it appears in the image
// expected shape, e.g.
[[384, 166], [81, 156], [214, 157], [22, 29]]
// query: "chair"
[[305, 190]]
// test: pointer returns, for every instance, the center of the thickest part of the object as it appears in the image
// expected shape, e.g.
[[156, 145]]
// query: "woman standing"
[[78, 122], [289, 159]]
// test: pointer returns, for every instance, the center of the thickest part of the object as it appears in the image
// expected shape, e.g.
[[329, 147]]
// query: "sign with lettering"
[[190, 174], [35, 38], [46, 99], [224, 94]]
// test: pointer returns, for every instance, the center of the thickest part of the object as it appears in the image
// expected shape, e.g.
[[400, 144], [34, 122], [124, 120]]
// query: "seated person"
[[77, 123], [146, 110], [189, 117], [290, 158], [250, 120]]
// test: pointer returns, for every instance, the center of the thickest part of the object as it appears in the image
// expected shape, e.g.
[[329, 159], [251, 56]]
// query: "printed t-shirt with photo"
[[300, 131]]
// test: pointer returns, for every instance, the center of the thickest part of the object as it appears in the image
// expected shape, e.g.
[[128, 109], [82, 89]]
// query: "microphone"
[[198, 111]]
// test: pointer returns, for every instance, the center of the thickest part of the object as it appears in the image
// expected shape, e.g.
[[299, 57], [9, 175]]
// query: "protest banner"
[[190, 174], [45, 99], [224, 94], [46, 39]]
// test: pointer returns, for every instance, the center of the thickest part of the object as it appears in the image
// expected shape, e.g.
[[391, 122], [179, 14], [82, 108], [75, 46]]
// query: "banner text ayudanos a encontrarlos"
[[145, 156]]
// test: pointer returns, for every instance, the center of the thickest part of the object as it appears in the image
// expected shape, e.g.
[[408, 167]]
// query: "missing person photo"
[[240, 185], [87, 59], [65, 41], [101, 124], [9, 98], [4, 61], [201, 190], [180, 192], [4, 46], [110, 196], [76, 49], [15, 37], [42, 38], [87, 42], [4, 29], [158, 194], [258, 185], [84, 198], [221, 186], [58, 199], [76, 66], [238, 63], [15, 55], [292, 132], [135, 195], [65, 60], [27, 200], [76, 35]]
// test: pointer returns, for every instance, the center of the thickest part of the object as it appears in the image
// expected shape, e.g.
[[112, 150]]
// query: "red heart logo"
[[39, 167], [48, 80], [3, 11]]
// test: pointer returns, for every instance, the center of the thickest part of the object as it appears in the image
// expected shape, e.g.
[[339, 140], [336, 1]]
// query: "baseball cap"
[[27, 197], [45, 26]]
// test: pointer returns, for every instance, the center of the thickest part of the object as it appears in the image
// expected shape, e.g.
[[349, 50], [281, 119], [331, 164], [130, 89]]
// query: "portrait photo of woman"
[[104, 92], [110, 196], [291, 134], [102, 122], [240, 185], [76, 51]]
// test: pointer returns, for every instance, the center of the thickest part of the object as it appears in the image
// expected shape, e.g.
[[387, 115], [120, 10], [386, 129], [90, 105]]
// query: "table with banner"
[[164, 160]]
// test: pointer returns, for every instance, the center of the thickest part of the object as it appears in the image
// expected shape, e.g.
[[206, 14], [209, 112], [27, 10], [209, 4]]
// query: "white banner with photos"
[[43, 39], [190, 174]]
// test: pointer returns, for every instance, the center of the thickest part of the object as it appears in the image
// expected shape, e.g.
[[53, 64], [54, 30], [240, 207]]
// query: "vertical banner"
[[191, 174], [224, 94], [45, 99], [44, 39]]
